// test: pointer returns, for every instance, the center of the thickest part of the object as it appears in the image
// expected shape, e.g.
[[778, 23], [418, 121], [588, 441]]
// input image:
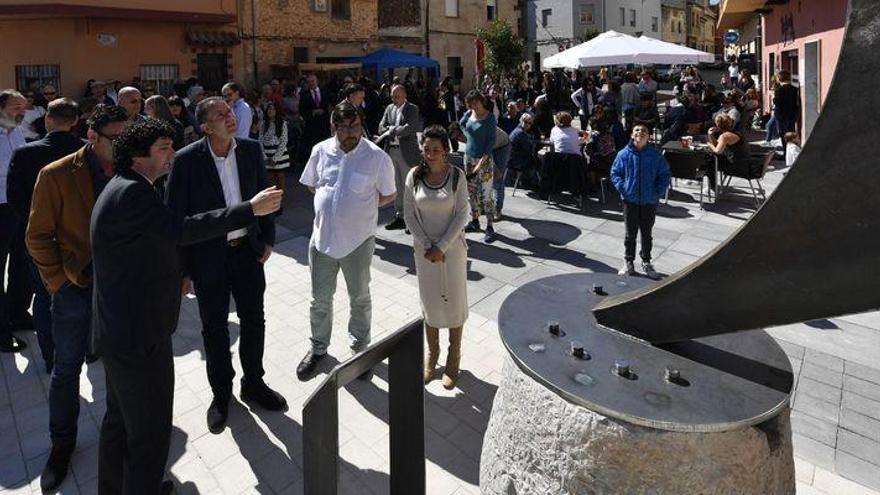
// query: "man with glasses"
[[233, 93], [58, 242], [215, 172], [641, 176], [351, 178], [47, 94]]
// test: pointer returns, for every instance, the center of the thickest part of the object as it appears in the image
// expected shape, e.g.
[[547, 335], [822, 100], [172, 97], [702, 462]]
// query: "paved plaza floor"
[[836, 405]]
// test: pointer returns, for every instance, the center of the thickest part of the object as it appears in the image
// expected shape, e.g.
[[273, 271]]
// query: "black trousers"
[[136, 431], [639, 219], [243, 278], [15, 296]]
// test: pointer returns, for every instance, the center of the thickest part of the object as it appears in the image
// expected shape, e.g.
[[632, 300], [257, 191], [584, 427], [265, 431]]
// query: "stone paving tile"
[[821, 374], [861, 405], [819, 390], [818, 408], [262, 452], [828, 482], [862, 387], [863, 372], [825, 360], [858, 446], [813, 451], [814, 428]]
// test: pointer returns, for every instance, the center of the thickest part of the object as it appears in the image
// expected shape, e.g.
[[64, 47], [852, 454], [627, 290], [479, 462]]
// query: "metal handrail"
[[406, 415]]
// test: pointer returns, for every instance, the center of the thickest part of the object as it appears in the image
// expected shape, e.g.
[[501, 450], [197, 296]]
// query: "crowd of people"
[[104, 240]]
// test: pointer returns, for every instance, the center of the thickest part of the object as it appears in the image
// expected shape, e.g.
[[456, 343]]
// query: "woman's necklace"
[[432, 177]]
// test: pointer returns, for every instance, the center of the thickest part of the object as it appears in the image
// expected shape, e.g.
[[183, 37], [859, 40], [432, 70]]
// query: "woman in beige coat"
[[436, 210]]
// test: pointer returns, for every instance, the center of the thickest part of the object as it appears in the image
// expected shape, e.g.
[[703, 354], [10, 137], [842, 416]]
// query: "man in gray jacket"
[[398, 130]]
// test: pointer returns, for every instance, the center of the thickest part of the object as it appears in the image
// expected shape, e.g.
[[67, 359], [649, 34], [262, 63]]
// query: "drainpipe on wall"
[[604, 17], [254, 40], [428, 29]]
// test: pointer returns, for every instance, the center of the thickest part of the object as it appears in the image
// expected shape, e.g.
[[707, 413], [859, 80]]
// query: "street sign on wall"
[[731, 37]]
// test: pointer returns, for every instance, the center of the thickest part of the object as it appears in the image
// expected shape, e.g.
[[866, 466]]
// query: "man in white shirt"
[[30, 127], [351, 178], [733, 72], [232, 93], [15, 297]]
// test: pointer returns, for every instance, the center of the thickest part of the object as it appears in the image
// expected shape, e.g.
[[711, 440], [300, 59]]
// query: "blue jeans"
[[500, 157], [71, 330], [772, 129], [42, 314]]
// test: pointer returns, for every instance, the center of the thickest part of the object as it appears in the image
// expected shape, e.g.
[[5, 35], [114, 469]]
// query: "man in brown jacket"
[[58, 241]]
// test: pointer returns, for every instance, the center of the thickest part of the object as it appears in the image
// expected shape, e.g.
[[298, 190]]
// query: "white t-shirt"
[[565, 140], [30, 116], [733, 72], [347, 188], [791, 153]]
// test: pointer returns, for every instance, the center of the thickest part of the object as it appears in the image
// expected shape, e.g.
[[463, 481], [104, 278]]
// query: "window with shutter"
[[163, 77], [341, 10], [26, 75]]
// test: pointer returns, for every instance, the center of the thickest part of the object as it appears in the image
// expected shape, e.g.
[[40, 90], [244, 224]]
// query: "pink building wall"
[[791, 26]]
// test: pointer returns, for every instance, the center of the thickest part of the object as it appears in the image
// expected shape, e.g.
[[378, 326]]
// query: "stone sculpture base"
[[539, 443]]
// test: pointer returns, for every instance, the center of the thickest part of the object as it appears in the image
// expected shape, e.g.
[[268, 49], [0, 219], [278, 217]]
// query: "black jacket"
[[134, 240], [26, 164], [194, 187], [788, 101]]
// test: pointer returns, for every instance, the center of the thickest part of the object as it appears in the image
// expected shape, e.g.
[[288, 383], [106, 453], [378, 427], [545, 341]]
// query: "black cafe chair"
[[687, 166], [564, 172], [752, 169]]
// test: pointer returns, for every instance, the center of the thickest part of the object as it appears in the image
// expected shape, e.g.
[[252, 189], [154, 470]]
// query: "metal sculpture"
[[812, 250]]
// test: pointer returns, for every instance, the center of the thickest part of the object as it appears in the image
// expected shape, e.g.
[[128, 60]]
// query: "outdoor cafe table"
[[700, 149]]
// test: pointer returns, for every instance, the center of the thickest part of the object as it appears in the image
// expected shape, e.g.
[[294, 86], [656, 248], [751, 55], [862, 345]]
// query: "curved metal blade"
[[812, 250]]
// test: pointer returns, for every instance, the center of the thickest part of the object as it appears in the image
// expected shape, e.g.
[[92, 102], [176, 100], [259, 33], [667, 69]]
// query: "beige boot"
[[432, 335], [453, 359]]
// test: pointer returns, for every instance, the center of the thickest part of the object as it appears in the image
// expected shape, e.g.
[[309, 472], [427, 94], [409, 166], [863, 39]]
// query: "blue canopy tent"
[[387, 58]]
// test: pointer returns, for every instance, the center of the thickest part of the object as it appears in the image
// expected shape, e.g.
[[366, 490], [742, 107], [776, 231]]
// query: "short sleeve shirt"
[[347, 188]]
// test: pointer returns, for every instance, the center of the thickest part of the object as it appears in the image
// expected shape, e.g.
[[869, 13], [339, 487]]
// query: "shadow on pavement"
[[468, 411]]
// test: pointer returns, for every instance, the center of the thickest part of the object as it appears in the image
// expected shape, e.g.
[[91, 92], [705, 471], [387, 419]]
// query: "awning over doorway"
[[212, 38]]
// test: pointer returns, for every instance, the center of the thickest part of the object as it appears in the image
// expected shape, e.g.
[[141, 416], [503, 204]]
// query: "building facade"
[[156, 41], [452, 24], [701, 21], [554, 25], [690, 23], [674, 17], [803, 37], [280, 35]]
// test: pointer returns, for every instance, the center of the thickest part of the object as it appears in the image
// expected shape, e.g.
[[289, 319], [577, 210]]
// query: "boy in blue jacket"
[[641, 175]]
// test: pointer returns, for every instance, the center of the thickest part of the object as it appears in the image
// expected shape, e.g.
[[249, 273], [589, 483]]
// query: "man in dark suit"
[[314, 107], [26, 164], [134, 239], [214, 172], [400, 125]]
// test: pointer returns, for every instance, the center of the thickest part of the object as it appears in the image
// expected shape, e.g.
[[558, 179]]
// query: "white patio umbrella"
[[663, 52], [609, 48], [613, 48]]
